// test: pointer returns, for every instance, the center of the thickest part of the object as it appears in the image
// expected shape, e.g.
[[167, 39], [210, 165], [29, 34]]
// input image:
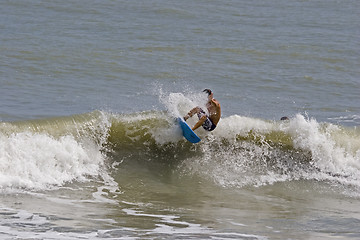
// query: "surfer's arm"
[[191, 113]]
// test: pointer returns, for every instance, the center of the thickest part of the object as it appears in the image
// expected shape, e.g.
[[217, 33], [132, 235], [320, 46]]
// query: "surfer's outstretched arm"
[[192, 112]]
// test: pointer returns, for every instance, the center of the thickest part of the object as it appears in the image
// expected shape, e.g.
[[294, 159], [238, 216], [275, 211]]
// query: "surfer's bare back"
[[208, 122]]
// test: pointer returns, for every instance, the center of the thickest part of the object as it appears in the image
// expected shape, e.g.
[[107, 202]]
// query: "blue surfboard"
[[188, 133]]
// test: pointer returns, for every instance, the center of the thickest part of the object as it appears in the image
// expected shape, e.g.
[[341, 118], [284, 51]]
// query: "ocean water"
[[89, 145]]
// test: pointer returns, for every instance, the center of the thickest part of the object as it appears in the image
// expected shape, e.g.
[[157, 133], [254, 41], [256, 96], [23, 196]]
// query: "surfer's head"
[[210, 94], [208, 91]]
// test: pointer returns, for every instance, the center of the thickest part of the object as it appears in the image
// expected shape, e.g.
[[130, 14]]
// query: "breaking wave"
[[241, 151]]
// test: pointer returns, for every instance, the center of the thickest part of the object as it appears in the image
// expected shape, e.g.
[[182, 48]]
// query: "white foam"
[[39, 161], [234, 125], [328, 152], [314, 151]]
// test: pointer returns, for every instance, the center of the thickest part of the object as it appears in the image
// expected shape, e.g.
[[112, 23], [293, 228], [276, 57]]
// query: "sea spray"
[[179, 104]]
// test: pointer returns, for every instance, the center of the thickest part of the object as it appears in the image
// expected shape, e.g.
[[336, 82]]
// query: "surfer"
[[208, 122]]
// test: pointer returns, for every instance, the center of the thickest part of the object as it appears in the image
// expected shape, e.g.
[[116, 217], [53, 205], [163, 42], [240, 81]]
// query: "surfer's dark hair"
[[208, 91]]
